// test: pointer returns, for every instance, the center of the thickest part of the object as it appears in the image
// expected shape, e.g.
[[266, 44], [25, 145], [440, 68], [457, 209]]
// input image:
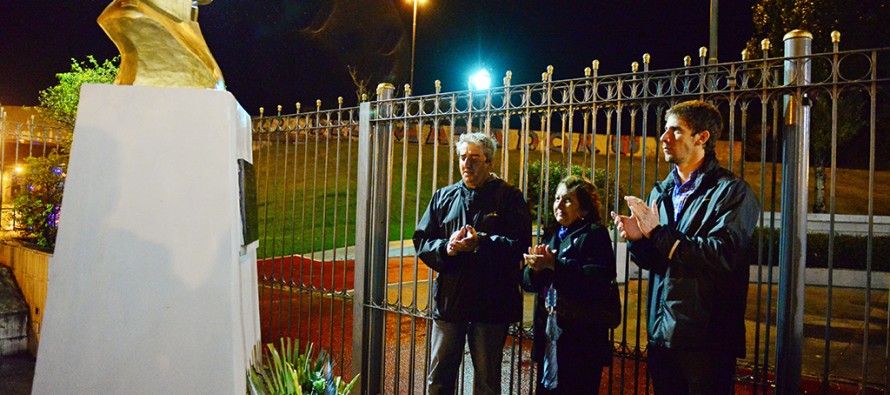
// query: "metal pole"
[[793, 237], [371, 243], [713, 31], [413, 39]]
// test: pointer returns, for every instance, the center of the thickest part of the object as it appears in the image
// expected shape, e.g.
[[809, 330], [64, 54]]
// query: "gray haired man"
[[473, 234]]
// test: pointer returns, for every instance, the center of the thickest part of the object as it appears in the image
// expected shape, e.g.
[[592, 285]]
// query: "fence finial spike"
[[279, 109], [745, 54], [764, 44], [646, 58], [687, 61], [364, 97], [340, 100], [407, 90], [703, 52], [438, 85], [318, 104], [298, 106], [835, 36], [635, 66], [587, 71], [262, 110], [507, 77]]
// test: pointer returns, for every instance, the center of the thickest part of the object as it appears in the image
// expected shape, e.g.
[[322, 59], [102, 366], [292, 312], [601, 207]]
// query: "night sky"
[[284, 51]]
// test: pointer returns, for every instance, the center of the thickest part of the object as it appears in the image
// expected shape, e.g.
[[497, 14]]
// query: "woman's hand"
[[540, 257]]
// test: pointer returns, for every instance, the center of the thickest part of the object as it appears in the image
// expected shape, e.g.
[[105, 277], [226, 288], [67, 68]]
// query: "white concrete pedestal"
[[149, 289]]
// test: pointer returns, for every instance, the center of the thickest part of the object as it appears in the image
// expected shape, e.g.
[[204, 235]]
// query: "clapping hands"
[[463, 240], [540, 257], [642, 221]]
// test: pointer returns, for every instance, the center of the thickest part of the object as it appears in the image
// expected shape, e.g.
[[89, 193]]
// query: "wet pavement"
[[327, 322]]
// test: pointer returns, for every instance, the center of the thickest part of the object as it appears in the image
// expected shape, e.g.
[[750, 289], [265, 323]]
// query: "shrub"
[[37, 193], [38, 198], [557, 172], [286, 371], [849, 250]]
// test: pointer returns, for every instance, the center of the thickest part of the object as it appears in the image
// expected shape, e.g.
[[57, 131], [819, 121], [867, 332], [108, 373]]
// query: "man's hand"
[[451, 248], [464, 240], [627, 227], [646, 217]]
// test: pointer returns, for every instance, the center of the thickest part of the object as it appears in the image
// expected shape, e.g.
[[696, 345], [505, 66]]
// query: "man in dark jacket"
[[693, 237], [473, 234]]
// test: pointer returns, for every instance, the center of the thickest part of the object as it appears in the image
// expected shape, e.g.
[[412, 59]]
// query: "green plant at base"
[[38, 198], [558, 171], [286, 371]]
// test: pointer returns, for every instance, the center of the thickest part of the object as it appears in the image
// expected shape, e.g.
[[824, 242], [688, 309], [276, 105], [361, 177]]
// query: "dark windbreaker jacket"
[[585, 267], [698, 280], [481, 286]]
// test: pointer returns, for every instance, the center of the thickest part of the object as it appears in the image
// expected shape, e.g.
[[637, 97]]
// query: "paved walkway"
[[16, 374]]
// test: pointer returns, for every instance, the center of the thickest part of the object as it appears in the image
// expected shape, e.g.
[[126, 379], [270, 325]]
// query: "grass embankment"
[[307, 191]]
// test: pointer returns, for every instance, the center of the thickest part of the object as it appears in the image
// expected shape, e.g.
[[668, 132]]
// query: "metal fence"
[[340, 192]]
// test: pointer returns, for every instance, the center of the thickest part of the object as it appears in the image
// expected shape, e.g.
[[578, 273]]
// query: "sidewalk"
[[16, 374]]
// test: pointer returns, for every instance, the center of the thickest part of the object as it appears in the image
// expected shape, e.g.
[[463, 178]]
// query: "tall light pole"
[[713, 31], [413, 40]]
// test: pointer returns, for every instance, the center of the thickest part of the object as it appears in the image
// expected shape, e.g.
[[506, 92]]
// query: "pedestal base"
[[150, 290]]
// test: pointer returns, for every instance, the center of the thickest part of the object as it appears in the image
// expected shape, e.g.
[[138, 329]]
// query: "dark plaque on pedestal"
[[247, 187]]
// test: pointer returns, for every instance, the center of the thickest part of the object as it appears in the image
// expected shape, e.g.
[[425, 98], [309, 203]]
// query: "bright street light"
[[481, 80]]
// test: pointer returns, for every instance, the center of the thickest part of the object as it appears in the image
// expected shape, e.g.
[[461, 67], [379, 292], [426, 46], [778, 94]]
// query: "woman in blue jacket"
[[575, 267]]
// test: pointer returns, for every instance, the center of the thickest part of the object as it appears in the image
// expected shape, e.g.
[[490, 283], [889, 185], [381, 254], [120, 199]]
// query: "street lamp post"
[[413, 40], [713, 31]]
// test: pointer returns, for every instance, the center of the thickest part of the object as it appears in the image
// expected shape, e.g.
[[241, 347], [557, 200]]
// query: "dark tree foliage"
[[862, 25]]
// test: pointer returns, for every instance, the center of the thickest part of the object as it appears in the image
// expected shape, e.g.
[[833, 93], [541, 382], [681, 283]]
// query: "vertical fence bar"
[[793, 239], [371, 242]]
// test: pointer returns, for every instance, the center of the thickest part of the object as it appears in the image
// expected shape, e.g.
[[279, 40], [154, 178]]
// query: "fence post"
[[371, 243], [793, 237]]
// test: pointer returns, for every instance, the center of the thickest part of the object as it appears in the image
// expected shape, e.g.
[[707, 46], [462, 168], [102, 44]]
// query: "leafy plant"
[[37, 189], [850, 251], [602, 181], [58, 103], [38, 198], [286, 371]]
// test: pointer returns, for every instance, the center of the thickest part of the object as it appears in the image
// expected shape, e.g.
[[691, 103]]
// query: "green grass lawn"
[[306, 191]]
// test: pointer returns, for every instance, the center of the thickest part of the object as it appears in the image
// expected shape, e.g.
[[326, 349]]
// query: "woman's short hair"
[[489, 146], [588, 197]]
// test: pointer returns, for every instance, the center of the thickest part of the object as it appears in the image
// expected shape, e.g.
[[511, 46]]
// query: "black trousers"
[[691, 372]]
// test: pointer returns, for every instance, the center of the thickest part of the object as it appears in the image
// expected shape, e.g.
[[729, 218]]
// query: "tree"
[[38, 187], [861, 24], [361, 85], [58, 103]]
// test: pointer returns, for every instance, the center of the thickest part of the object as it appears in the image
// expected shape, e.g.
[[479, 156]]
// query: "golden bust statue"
[[161, 44]]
